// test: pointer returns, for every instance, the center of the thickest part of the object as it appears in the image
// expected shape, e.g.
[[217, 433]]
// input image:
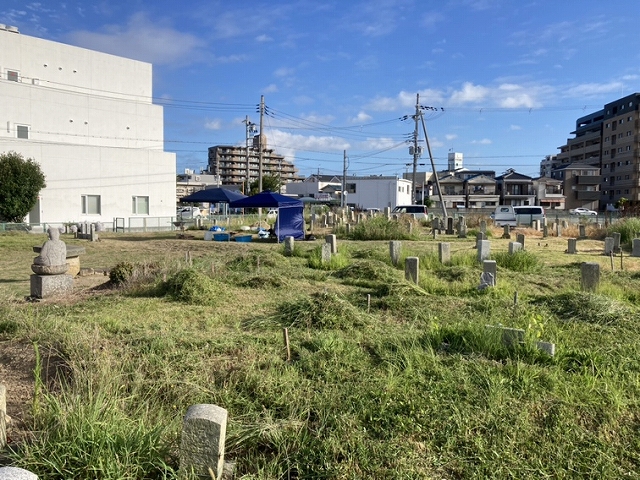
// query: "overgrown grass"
[[386, 379], [379, 228], [628, 228]]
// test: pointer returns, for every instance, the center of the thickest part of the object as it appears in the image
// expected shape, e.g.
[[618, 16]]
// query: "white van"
[[419, 212], [520, 215]]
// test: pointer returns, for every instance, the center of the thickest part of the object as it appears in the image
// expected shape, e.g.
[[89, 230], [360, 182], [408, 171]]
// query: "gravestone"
[[449, 226], [547, 347], [444, 253], [582, 232], [326, 253], [462, 231], [203, 435], [489, 275], [412, 269], [484, 250], [514, 247], [536, 225], [289, 245], [509, 336], [15, 473], [558, 230], [520, 239], [608, 245], [394, 251], [545, 231], [635, 252], [506, 231], [483, 226], [49, 268], [589, 276], [333, 243], [564, 224], [387, 213], [617, 236], [481, 236], [572, 246]]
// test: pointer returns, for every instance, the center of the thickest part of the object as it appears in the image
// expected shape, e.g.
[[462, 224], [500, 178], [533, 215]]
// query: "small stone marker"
[[444, 253], [333, 243], [617, 236], [15, 473], [203, 436], [49, 268], [572, 246], [536, 225], [506, 231], [326, 253], [509, 336], [582, 232], [558, 230], [411, 269], [449, 226], [387, 213], [608, 245], [635, 252], [545, 231], [484, 250], [289, 245], [589, 276], [490, 272], [520, 239], [548, 347], [483, 226], [514, 247], [394, 251]]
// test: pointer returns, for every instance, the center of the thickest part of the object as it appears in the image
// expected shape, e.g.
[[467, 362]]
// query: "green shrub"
[[121, 273], [194, 287], [628, 228]]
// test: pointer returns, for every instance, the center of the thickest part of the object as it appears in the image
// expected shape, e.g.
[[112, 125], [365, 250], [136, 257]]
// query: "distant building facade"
[[235, 164]]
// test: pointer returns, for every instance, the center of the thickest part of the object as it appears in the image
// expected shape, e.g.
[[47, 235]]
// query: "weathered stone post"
[[582, 229], [289, 245], [506, 231], [333, 243], [635, 252], [483, 226], [520, 239], [617, 237], [572, 246], [608, 245], [589, 276], [444, 252], [326, 253], [489, 275], [411, 269], [203, 435], [514, 247], [484, 250], [394, 251], [449, 226]]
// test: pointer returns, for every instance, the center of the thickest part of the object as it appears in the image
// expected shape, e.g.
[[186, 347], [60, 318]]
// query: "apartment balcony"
[[588, 179], [588, 195]]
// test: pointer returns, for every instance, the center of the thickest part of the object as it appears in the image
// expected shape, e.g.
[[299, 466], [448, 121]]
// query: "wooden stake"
[[368, 302], [285, 333]]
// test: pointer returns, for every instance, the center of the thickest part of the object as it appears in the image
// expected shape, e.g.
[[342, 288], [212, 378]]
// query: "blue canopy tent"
[[290, 221], [214, 195]]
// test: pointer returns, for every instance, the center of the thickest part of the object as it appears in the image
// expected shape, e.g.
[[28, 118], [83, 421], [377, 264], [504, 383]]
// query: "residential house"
[[515, 189]]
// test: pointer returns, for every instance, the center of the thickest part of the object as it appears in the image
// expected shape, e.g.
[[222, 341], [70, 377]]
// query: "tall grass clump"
[[194, 287], [338, 260], [586, 307], [520, 261], [379, 228], [628, 228]]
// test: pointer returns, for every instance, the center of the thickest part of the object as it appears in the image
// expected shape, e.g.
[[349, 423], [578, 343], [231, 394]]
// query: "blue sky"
[[508, 78]]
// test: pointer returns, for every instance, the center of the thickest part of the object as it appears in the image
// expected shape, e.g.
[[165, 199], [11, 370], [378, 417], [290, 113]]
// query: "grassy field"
[[386, 379]]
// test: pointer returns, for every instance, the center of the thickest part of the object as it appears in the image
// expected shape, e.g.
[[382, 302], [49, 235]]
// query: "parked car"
[[582, 211], [418, 211], [189, 213]]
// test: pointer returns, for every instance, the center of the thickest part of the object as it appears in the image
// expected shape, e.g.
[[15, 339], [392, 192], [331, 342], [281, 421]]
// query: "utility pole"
[[345, 161], [248, 132], [416, 150], [433, 167], [260, 146]]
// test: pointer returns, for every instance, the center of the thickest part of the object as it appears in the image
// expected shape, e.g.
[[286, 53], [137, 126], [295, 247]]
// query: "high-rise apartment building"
[[601, 163], [235, 163]]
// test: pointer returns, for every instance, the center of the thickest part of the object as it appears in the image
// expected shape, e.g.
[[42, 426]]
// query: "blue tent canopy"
[[214, 195], [290, 221]]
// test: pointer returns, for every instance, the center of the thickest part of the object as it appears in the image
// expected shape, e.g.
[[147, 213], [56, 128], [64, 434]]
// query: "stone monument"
[[50, 268]]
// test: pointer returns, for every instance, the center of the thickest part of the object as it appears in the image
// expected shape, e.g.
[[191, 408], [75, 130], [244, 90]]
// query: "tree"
[[20, 183], [269, 182]]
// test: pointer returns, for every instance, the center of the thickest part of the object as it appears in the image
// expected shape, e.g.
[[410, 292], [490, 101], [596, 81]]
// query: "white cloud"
[[484, 141], [272, 88], [592, 89], [431, 19], [361, 118], [215, 124], [264, 39], [470, 93], [287, 144], [284, 72], [450, 136], [515, 127], [142, 39], [405, 100]]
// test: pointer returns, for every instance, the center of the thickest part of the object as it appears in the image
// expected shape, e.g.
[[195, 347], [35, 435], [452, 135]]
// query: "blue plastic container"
[[243, 238], [221, 237]]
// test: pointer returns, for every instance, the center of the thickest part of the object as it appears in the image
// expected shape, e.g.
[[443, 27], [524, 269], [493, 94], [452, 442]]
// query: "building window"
[[351, 188], [91, 204], [606, 152], [607, 125], [606, 139], [140, 205], [621, 121], [12, 75], [22, 131]]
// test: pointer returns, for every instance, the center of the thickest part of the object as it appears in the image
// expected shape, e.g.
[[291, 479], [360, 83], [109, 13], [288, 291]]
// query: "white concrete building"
[[88, 119]]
